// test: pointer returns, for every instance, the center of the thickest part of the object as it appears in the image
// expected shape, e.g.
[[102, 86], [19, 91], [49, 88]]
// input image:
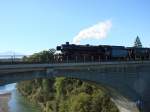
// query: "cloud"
[[97, 31]]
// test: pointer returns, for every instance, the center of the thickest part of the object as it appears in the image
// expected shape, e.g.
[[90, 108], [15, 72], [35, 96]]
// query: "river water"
[[18, 103]]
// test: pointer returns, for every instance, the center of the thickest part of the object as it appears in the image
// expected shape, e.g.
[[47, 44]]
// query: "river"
[[17, 103]]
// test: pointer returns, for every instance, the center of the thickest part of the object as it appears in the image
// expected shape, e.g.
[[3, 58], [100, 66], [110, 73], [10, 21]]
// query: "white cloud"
[[98, 31]]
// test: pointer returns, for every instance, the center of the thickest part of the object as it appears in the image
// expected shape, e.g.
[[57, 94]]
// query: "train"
[[70, 53], [96, 53]]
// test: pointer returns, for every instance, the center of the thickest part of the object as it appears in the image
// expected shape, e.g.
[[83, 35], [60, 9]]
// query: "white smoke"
[[98, 31]]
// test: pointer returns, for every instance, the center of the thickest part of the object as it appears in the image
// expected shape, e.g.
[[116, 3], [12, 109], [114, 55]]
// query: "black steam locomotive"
[[88, 53]]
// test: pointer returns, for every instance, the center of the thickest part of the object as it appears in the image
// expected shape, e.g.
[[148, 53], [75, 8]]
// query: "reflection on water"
[[18, 103]]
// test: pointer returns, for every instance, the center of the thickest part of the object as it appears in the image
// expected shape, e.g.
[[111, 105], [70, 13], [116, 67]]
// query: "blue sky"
[[29, 26]]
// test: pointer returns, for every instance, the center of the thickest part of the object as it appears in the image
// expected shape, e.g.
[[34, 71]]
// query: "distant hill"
[[10, 54]]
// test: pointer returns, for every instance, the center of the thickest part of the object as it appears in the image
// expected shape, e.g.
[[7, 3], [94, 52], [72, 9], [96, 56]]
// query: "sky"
[[29, 26]]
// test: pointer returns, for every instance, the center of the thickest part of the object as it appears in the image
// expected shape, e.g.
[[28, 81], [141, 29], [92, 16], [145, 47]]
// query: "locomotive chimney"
[[67, 43], [58, 48]]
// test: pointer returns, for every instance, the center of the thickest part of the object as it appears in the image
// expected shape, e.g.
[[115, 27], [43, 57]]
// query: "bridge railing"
[[12, 59], [18, 59]]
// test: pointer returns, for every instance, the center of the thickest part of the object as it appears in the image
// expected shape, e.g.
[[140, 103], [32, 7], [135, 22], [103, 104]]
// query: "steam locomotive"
[[88, 53]]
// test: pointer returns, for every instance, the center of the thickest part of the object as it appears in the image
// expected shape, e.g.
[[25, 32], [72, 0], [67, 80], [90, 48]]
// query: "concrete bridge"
[[130, 79]]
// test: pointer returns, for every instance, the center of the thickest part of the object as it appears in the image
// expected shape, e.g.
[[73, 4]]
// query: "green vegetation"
[[66, 94], [43, 56]]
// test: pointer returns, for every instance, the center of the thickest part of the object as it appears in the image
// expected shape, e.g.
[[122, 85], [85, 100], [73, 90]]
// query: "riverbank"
[[4, 99]]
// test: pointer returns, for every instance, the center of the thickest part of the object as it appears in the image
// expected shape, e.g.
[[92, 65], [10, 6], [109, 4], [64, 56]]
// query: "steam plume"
[[98, 31]]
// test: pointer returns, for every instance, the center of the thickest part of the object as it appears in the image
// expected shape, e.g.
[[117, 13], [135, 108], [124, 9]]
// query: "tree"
[[137, 42], [46, 56]]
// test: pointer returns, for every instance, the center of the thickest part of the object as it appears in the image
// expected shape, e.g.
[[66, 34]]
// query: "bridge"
[[131, 79]]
